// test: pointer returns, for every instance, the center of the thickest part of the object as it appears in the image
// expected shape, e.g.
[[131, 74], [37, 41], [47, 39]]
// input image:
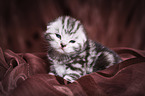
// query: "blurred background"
[[114, 23]]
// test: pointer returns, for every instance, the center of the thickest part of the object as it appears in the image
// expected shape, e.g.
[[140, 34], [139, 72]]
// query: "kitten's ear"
[[44, 35], [47, 36]]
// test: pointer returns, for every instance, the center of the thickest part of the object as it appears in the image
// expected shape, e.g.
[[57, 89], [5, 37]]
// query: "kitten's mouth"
[[61, 50]]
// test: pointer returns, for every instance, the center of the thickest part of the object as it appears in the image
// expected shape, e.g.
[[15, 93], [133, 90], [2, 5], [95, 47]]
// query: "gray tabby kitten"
[[71, 53]]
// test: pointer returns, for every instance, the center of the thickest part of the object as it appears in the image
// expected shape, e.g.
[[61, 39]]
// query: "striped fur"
[[71, 53]]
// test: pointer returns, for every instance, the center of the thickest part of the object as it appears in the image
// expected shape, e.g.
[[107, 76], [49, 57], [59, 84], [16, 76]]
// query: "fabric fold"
[[25, 74]]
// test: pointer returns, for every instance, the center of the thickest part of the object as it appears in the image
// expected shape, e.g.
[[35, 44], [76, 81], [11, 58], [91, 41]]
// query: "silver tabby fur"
[[71, 53]]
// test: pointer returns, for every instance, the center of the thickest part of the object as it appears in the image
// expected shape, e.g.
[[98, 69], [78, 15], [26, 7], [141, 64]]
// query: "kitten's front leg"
[[71, 77], [73, 73], [52, 70], [57, 68]]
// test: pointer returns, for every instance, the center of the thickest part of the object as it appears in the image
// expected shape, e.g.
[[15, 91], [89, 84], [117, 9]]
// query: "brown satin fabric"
[[25, 74], [15, 68]]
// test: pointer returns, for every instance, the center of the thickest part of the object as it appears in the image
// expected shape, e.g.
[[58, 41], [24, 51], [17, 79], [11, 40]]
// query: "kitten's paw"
[[51, 73], [69, 78]]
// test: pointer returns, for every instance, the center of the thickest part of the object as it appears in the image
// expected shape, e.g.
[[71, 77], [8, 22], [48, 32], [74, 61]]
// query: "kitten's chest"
[[86, 59]]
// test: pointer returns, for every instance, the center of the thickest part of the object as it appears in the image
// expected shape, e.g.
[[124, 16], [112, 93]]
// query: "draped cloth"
[[25, 74]]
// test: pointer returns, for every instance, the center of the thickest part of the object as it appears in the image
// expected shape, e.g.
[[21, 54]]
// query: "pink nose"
[[62, 45]]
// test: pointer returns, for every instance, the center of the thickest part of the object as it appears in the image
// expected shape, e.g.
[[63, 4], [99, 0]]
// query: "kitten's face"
[[66, 35]]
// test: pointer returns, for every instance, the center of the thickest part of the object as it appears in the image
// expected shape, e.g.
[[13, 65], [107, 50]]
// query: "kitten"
[[71, 53]]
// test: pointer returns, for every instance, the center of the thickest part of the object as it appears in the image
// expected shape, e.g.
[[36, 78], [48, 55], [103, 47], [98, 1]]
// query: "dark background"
[[114, 23]]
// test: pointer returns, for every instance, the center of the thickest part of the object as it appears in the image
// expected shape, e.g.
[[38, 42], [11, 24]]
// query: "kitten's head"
[[66, 35]]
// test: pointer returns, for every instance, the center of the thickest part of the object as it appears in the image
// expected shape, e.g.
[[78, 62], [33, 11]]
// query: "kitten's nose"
[[62, 45]]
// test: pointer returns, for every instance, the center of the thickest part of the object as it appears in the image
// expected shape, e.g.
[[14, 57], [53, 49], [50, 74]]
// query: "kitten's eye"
[[58, 36], [72, 41]]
